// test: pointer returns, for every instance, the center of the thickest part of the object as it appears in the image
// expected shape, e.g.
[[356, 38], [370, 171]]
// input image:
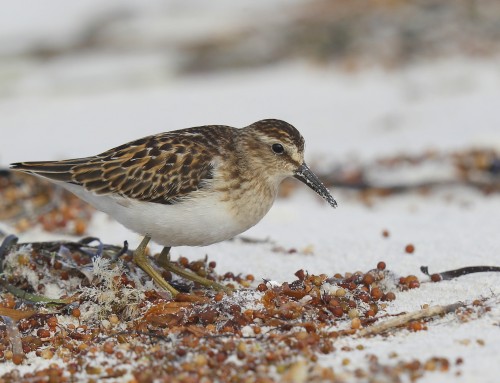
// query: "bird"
[[189, 187]]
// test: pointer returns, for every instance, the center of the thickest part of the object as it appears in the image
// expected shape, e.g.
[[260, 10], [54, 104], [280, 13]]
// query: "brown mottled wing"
[[161, 168]]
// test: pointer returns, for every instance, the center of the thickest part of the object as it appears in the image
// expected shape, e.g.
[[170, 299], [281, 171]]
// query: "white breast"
[[199, 221]]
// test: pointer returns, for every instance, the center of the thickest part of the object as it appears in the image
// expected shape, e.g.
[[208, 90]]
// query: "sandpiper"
[[189, 187]]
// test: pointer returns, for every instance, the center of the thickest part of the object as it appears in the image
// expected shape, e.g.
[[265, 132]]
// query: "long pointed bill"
[[304, 174]]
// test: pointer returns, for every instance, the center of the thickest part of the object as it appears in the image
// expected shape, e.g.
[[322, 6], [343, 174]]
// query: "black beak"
[[304, 174]]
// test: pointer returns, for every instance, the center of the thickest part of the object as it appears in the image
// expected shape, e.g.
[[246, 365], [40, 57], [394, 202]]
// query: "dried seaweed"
[[269, 328]]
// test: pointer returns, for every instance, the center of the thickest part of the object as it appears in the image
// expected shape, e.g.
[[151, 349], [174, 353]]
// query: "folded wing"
[[162, 168]]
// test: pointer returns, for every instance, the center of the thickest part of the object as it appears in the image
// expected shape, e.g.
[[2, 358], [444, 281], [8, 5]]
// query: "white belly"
[[199, 221]]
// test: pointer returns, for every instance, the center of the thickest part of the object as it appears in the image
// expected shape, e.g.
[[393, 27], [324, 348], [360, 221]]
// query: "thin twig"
[[13, 335], [406, 318], [16, 314], [35, 298], [450, 274]]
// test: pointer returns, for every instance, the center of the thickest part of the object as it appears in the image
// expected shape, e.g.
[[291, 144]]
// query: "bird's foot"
[[164, 261], [141, 259]]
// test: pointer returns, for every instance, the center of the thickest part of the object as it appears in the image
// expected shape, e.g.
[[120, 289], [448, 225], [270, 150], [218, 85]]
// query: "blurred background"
[[389, 94], [360, 78]]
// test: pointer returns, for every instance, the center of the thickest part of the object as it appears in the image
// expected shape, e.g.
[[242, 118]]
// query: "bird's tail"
[[53, 170]]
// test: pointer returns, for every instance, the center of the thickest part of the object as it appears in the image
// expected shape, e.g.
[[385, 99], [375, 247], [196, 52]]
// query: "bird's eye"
[[278, 148]]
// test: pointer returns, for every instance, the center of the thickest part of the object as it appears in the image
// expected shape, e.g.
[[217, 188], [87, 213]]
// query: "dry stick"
[[13, 335], [405, 318], [402, 188], [16, 314], [451, 274], [20, 293]]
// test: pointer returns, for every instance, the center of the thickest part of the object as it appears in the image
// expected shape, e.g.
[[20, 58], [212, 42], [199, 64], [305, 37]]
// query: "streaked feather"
[[160, 168]]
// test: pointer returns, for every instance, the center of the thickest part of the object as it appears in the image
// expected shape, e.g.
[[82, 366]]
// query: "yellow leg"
[[164, 261], [141, 259]]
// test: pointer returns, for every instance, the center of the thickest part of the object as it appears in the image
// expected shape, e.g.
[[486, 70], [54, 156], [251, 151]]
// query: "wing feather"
[[162, 168]]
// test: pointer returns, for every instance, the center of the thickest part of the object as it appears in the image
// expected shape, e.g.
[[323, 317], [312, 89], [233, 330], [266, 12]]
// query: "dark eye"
[[278, 148]]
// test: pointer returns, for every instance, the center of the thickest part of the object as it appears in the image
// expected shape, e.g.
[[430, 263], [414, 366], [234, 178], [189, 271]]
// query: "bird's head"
[[278, 152]]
